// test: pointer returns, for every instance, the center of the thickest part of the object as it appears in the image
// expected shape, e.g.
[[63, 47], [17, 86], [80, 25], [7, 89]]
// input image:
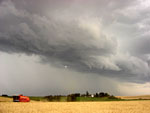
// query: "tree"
[[96, 95], [101, 94], [87, 93]]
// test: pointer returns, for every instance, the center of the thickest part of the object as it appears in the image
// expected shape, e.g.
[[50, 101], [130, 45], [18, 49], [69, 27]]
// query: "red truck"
[[20, 98]]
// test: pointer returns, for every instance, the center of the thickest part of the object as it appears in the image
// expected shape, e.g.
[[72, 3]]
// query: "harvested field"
[[135, 97], [76, 107], [5, 99]]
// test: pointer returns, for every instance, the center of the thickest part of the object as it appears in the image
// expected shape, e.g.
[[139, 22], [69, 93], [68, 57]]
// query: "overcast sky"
[[67, 46]]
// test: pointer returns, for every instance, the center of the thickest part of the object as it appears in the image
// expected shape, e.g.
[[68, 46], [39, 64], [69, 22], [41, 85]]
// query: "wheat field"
[[76, 107], [5, 99], [135, 97]]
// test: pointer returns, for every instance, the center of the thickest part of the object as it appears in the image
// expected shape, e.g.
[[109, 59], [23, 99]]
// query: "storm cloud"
[[107, 38]]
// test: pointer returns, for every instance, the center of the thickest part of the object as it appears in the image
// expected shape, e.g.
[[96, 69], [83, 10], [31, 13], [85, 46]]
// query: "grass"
[[64, 99], [96, 99], [36, 98], [85, 99], [78, 99]]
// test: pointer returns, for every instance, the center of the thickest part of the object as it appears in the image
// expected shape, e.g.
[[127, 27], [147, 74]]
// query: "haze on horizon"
[[67, 46]]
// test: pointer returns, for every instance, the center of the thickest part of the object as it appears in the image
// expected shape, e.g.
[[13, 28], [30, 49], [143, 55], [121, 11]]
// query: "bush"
[[53, 98], [72, 97], [112, 97]]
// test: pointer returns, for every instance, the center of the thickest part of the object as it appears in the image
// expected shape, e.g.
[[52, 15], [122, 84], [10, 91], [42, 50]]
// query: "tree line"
[[74, 96]]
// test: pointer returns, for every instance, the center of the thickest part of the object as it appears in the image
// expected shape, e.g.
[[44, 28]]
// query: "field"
[[141, 106], [4, 99], [77, 99], [135, 97]]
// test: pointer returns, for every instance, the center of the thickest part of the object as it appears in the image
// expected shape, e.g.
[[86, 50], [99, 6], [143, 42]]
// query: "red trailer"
[[21, 98]]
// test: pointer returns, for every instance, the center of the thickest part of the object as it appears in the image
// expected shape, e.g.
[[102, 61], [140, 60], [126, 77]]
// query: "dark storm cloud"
[[67, 33], [142, 45]]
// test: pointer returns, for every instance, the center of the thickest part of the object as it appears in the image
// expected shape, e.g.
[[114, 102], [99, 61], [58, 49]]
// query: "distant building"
[[92, 95]]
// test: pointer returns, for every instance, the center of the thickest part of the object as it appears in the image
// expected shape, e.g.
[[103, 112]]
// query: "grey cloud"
[[76, 41], [46, 79], [141, 46]]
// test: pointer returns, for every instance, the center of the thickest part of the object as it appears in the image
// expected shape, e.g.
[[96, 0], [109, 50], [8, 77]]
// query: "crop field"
[[5, 99], [135, 97], [142, 106]]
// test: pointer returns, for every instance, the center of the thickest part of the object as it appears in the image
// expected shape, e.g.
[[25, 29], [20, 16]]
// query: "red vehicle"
[[21, 98]]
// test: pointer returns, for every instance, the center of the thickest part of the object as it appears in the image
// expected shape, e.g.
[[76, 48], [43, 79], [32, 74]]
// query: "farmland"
[[135, 97], [141, 106], [5, 99], [77, 99]]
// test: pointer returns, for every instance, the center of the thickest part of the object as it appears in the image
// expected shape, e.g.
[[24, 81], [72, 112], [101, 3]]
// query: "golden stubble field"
[[76, 107], [135, 97]]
